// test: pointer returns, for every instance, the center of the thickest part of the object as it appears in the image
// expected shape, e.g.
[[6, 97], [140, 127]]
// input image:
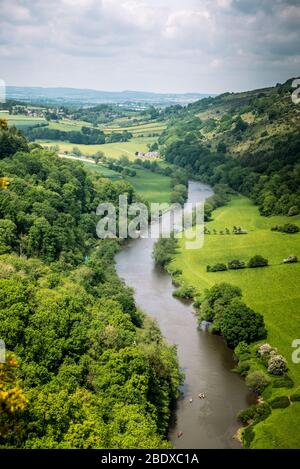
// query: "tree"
[[237, 322], [236, 264], [257, 381], [257, 261]]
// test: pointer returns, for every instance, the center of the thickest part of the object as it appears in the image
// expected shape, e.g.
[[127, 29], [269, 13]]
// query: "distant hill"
[[86, 96]]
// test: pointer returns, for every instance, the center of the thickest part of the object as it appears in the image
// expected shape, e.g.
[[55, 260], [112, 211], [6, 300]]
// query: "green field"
[[273, 291], [112, 150], [102, 170], [68, 125], [151, 186], [20, 121], [136, 130]]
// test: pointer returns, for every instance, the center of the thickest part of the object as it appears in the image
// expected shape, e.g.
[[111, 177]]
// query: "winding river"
[[206, 361]]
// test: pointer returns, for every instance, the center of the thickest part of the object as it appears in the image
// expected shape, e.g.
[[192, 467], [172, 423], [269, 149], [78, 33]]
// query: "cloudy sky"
[[153, 45]]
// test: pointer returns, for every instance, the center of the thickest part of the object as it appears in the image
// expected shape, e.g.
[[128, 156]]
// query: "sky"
[[208, 46]]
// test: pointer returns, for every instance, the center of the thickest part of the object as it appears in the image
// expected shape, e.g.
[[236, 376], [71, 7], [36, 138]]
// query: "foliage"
[[230, 316], [280, 402], [286, 228], [216, 267], [295, 397], [257, 261], [185, 292], [236, 264], [92, 372], [257, 381], [240, 323], [247, 436], [164, 250], [277, 365], [255, 413]]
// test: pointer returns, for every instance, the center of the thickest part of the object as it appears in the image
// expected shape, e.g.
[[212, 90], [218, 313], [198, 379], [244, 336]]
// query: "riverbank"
[[206, 361], [271, 291]]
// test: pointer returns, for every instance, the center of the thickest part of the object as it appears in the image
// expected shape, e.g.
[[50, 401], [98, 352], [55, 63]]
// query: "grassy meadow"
[[20, 121], [151, 186], [273, 290], [112, 150]]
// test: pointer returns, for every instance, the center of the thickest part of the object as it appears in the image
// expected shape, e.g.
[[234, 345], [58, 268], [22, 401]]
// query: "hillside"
[[247, 141], [248, 144]]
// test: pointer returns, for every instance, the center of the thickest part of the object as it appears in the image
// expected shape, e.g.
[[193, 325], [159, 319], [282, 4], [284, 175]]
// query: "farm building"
[[149, 154]]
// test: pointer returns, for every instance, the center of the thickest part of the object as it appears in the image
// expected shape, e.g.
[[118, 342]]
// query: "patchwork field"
[[273, 291], [112, 150], [21, 122]]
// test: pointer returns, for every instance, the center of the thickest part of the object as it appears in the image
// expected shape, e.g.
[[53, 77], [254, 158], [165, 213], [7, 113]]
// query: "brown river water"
[[204, 358]]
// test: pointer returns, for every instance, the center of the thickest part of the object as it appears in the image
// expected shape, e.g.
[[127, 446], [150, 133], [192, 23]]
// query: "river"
[[206, 361]]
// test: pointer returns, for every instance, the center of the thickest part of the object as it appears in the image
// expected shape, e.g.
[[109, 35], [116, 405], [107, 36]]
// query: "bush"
[[164, 250], [287, 228], [255, 413], [293, 211], [257, 381], [280, 402], [184, 292], [283, 382], [242, 368], [247, 437], [295, 397], [236, 264], [290, 228], [242, 351], [216, 268], [277, 365], [257, 261]]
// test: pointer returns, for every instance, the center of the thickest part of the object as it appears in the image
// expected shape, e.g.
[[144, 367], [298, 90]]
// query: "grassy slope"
[[273, 291], [151, 186]]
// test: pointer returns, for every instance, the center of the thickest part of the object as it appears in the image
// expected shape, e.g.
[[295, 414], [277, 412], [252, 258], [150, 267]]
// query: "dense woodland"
[[84, 368]]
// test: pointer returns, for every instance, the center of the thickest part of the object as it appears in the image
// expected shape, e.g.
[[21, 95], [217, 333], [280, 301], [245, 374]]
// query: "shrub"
[[236, 264], [290, 260], [185, 292], [283, 382], [265, 350], [257, 381], [257, 261], [242, 368], [255, 413], [280, 402], [287, 228], [290, 228], [164, 250], [242, 351], [277, 365], [295, 397], [294, 210], [217, 267], [247, 437]]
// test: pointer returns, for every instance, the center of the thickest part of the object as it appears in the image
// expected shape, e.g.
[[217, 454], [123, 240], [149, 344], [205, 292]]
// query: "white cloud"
[[123, 41]]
